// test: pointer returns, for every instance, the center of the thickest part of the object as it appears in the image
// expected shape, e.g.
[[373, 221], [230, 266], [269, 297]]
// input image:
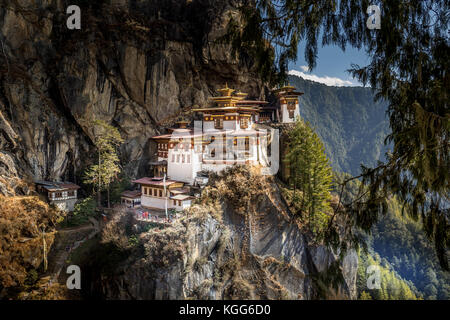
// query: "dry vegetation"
[[114, 232], [236, 185], [22, 222], [164, 248]]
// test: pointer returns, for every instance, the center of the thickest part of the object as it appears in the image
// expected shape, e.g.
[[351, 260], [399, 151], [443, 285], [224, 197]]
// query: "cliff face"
[[224, 248], [135, 64]]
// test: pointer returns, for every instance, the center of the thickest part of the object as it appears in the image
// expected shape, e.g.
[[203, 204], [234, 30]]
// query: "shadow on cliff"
[[238, 241]]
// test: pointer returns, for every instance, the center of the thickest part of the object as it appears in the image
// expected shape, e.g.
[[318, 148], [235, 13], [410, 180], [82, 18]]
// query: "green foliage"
[[365, 296], [409, 62], [133, 240], [83, 210], [107, 140], [122, 183], [311, 174], [392, 286], [403, 243], [351, 125]]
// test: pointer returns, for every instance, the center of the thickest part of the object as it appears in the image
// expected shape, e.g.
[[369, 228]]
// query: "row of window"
[[60, 194], [155, 192], [162, 146], [181, 158], [218, 122]]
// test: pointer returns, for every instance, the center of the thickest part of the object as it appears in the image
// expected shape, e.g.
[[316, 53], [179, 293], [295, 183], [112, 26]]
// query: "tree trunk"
[[109, 204], [99, 195], [99, 199], [45, 250]]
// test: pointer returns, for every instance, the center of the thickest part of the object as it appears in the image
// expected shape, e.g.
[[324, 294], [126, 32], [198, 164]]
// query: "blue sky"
[[331, 65]]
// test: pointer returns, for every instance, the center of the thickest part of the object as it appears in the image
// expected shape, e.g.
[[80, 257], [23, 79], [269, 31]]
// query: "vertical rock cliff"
[[139, 64], [135, 64], [237, 242]]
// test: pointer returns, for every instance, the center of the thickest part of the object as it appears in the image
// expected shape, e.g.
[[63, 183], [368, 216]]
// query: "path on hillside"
[[64, 249]]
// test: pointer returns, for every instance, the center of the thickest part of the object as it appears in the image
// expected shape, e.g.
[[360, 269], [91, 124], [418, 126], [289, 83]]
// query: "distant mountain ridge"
[[353, 129], [352, 126]]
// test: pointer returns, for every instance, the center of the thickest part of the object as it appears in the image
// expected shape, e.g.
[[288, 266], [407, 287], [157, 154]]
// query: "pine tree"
[[408, 66], [100, 175], [365, 296], [311, 174]]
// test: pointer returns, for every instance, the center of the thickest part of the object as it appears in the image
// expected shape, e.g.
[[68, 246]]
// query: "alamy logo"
[[256, 147], [374, 20], [74, 20], [74, 280], [374, 279]]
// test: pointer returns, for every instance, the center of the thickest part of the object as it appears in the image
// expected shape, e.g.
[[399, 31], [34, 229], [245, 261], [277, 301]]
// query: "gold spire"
[[241, 95], [226, 92]]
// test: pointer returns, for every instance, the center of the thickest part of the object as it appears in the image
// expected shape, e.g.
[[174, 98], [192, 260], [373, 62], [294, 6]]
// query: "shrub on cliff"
[[26, 235], [236, 185]]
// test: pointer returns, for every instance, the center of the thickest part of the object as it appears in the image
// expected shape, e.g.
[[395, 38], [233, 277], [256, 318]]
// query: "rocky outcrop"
[[134, 64], [221, 252], [139, 65]]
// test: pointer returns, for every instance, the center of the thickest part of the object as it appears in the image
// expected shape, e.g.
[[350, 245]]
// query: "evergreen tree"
[[311, 174], [107, 139], [409, 62]]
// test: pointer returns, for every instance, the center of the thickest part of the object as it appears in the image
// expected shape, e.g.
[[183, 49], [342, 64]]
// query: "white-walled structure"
[[131, 198], [288, 104], [158, 193], [230, 134], [64, 195]]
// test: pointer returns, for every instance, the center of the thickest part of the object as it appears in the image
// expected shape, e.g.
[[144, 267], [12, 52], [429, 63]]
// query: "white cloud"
[[304, 68], [329, 81]]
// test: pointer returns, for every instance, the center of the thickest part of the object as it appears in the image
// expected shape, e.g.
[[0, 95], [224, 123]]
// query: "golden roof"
[[226, 92]]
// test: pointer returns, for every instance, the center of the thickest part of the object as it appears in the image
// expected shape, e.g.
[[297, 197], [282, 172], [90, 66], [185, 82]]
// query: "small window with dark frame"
[[244, 123], [218, 123]]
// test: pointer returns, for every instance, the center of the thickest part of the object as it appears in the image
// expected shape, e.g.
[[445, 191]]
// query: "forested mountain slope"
[[352, 126], [353, 129]]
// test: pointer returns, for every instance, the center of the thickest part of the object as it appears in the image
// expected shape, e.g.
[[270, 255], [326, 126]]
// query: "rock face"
[[134, 64], [220, 252], [138, 65]]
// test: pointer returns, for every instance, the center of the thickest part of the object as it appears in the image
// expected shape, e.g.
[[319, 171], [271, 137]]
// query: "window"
[[58, 195], [244, 123], [183, 158], [71, 193], [160, 193], [291, 109], [188, 158], [155, 192], [173, 158], [247, 143], [178, 158], [218, 122]]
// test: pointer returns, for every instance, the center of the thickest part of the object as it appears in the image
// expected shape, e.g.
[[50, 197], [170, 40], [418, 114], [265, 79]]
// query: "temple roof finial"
[[226, 92]]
